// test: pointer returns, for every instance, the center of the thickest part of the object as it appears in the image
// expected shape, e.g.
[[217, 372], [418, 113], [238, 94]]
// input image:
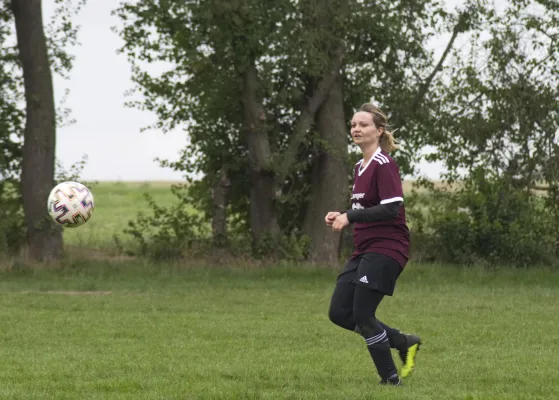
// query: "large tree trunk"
[[268, 172], [329, 178], [45, 238], [220, 199], [263, 217]]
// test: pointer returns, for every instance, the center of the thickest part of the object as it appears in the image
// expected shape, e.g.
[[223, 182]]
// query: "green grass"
[[116, 203], [134, 330], [165, 332]]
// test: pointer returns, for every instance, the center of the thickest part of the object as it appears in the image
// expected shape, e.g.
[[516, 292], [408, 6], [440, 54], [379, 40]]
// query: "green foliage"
[[292, 247], [495, 104], [12, 226], [12, 230], [11, 96], [181, 231], [205, 46], [500, 104], [486, 221], [498, 137], [173, 232]]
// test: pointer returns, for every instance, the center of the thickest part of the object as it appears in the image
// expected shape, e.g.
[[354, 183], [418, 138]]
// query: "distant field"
[[142, 331], [116, 203]]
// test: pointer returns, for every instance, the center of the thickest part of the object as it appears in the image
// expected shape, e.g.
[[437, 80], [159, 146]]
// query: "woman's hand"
[[340, 222], [330, 217]]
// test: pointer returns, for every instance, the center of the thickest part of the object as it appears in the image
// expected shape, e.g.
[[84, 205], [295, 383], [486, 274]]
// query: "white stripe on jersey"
[[378, 157], [379, 160], [392, 200], [383, 157]]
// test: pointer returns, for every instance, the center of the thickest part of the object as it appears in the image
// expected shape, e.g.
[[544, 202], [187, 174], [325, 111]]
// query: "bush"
[[180, 231], [485, 221], [12, 222], [168, 232], [12, 226]]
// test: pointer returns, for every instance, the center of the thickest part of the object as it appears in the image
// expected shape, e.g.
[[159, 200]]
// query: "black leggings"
[[355, 306]]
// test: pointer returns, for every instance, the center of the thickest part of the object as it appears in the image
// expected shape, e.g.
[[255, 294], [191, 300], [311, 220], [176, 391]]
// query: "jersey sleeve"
[[389, 184]]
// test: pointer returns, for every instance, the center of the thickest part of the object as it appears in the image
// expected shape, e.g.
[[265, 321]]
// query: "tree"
[[224, 74], [273, 82], [498, 134], [11, 120], [45, 238], [27, 135], [329, 178], [386, 59], [500, 109]]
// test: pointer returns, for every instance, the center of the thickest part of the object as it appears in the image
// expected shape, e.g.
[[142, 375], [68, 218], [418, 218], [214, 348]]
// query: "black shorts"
[[373, 270]]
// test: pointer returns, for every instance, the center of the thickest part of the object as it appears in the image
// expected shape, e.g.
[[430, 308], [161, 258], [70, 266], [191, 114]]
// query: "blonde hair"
[[387, 142]]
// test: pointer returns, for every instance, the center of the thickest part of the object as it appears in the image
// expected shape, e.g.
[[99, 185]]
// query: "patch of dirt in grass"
[[72, 292]]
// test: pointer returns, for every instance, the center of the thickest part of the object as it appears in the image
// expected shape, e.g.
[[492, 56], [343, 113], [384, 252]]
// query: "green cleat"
[[408, 355]]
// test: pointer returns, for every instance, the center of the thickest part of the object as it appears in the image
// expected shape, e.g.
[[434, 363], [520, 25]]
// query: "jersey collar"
[[362, 167]]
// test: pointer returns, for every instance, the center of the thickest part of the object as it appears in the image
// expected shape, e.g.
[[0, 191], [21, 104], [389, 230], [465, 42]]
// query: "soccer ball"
[[70, 204]]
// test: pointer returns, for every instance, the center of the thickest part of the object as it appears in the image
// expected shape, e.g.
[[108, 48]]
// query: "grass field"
[[138, 331], [129, 329]]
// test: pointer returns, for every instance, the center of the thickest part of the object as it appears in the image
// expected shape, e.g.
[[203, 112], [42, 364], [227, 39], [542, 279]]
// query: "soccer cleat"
[[392, 381], [408, 354]]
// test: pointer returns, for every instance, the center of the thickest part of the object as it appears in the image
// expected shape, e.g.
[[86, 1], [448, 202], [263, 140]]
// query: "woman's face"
[[363, 129]]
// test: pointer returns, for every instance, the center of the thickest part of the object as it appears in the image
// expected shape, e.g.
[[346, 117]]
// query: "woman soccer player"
[[381, 240]]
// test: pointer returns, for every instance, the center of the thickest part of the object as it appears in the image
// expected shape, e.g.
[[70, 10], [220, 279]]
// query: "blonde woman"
[[381, 241]]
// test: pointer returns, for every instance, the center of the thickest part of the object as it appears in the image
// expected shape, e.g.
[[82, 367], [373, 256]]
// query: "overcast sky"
[[106, 130]]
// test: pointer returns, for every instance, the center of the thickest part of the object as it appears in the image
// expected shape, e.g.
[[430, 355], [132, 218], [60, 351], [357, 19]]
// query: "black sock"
[[365, 303], [396, 338], [379, 349]]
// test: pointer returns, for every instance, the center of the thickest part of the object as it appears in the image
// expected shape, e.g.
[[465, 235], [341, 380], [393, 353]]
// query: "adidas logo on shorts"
[[364, 279]]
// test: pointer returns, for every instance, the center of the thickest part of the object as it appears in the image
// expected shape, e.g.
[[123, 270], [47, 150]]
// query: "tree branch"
[[427, 83], [306, 119], [460, 27]]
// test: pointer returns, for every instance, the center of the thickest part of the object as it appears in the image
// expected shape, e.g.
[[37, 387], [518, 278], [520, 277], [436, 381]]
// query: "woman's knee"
[[341, 317], [363, 318], [368, 325], [365, 305]]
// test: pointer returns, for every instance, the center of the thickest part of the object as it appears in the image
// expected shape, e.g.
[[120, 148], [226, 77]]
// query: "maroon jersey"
[[378, 182]]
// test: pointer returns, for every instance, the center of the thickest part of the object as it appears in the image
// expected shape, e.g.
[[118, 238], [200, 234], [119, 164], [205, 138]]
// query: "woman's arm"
[[382, 212]]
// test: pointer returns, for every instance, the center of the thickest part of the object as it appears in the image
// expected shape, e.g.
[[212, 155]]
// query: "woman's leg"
[[365, 303], [341, 305]]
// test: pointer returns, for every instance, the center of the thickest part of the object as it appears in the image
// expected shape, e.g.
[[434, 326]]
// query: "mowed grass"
[[117, 203], [166, 332]]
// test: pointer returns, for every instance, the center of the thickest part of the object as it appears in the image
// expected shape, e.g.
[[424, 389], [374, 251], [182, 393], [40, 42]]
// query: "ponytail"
[[387, 142]]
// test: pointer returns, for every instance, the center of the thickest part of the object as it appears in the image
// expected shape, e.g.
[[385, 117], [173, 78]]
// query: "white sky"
[[106, 130]]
